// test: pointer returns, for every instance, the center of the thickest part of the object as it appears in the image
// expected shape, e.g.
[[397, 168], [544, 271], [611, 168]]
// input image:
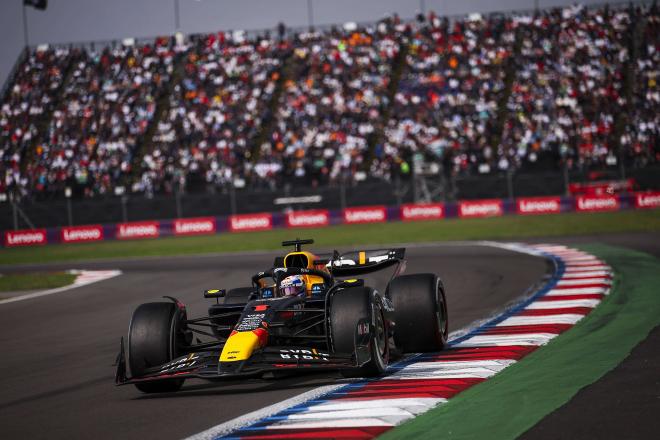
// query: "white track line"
[[586, 281], [514, 339], [413, 405], [84, 278], [451, 370], [578, 291], [582, 269], [564, 304], [250, 418], [587, 274], [568, 318], [350, 423]]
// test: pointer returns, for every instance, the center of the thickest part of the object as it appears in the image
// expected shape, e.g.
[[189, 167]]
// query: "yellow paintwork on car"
[[239, 347], [310, 258], [309, 279]]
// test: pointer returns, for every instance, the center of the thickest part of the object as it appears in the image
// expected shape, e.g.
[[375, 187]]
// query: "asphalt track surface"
[[56, 374]]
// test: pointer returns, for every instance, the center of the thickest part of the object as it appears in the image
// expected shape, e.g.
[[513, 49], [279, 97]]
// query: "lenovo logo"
[[373, 214], [26, 237], [195, 226], [138, 230], [480, 208], [250, 222], [422, 211], [647, 200], [307, 218], [539, 205], [596, 203], [82, 233]]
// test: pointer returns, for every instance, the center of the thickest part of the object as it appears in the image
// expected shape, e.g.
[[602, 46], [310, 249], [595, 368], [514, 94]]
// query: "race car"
[[306, 313]]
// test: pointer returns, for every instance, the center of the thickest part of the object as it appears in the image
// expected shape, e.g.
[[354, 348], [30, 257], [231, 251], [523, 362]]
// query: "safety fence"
[[325, 217]]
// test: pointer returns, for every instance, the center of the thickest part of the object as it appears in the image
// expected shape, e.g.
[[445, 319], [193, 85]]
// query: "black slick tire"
[[152, 341], [348, 308], [420, 310]]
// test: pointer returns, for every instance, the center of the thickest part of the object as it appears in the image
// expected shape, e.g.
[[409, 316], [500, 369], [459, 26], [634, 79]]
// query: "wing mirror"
[[351, 283], [215, 293]]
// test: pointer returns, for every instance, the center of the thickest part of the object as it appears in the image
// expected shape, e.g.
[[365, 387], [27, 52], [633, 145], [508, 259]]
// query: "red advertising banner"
[[251, 222], [195, 226], [596, 203], [365, 214], [25, 237], [306, 219], [480, 208], [75, 234], [601, 188], [422, 211], [128, 231], [538, 205], [647, 199]]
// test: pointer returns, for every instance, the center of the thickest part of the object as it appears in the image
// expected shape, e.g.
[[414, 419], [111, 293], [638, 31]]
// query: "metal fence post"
[[342, 192], [310, 14], [415, 185], [124, 213], [232, 198], [69, 214], [177, 200], [15, 213], [566, 191], [622, 166], [397, 190], [509, 183]]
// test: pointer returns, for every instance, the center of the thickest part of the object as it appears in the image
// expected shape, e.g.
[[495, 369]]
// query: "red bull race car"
[[306, 313]]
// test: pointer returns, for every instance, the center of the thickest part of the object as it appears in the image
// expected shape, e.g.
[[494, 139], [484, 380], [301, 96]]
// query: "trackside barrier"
[[480, 208], [538, 205], [324, 217]]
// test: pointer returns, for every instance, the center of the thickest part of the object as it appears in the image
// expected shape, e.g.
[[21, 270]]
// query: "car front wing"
[[206, 364]]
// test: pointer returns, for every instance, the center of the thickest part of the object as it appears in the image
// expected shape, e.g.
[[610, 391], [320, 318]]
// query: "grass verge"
[[35, 281], [514, 400], [350, 235]]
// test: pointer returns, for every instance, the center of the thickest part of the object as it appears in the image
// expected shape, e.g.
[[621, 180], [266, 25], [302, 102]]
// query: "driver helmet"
[[292, 286]]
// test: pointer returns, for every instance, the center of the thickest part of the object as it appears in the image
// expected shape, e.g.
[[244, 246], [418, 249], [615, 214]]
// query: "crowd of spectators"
[[475, 95], [641, 139], [104, 110], [332, 103], [447, 103], [568, 88], [30, 98], [215, 112]]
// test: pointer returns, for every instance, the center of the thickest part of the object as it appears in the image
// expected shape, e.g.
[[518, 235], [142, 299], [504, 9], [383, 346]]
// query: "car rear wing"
[[367, 261]]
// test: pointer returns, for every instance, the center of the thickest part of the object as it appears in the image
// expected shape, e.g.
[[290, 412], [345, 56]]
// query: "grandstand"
[[432, 108]]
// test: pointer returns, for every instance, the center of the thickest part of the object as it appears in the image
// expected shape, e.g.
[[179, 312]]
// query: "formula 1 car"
[[337, 323]]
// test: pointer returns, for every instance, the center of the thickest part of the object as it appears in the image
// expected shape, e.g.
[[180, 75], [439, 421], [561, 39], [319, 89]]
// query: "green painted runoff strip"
[[514, 400], [35, 281]]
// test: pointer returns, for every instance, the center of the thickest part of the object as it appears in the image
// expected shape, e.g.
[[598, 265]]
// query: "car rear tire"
[[348, 308], [420, 311], [154, 338]]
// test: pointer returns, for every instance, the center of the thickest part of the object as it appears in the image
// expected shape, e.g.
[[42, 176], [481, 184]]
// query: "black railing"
[[111, 209]]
